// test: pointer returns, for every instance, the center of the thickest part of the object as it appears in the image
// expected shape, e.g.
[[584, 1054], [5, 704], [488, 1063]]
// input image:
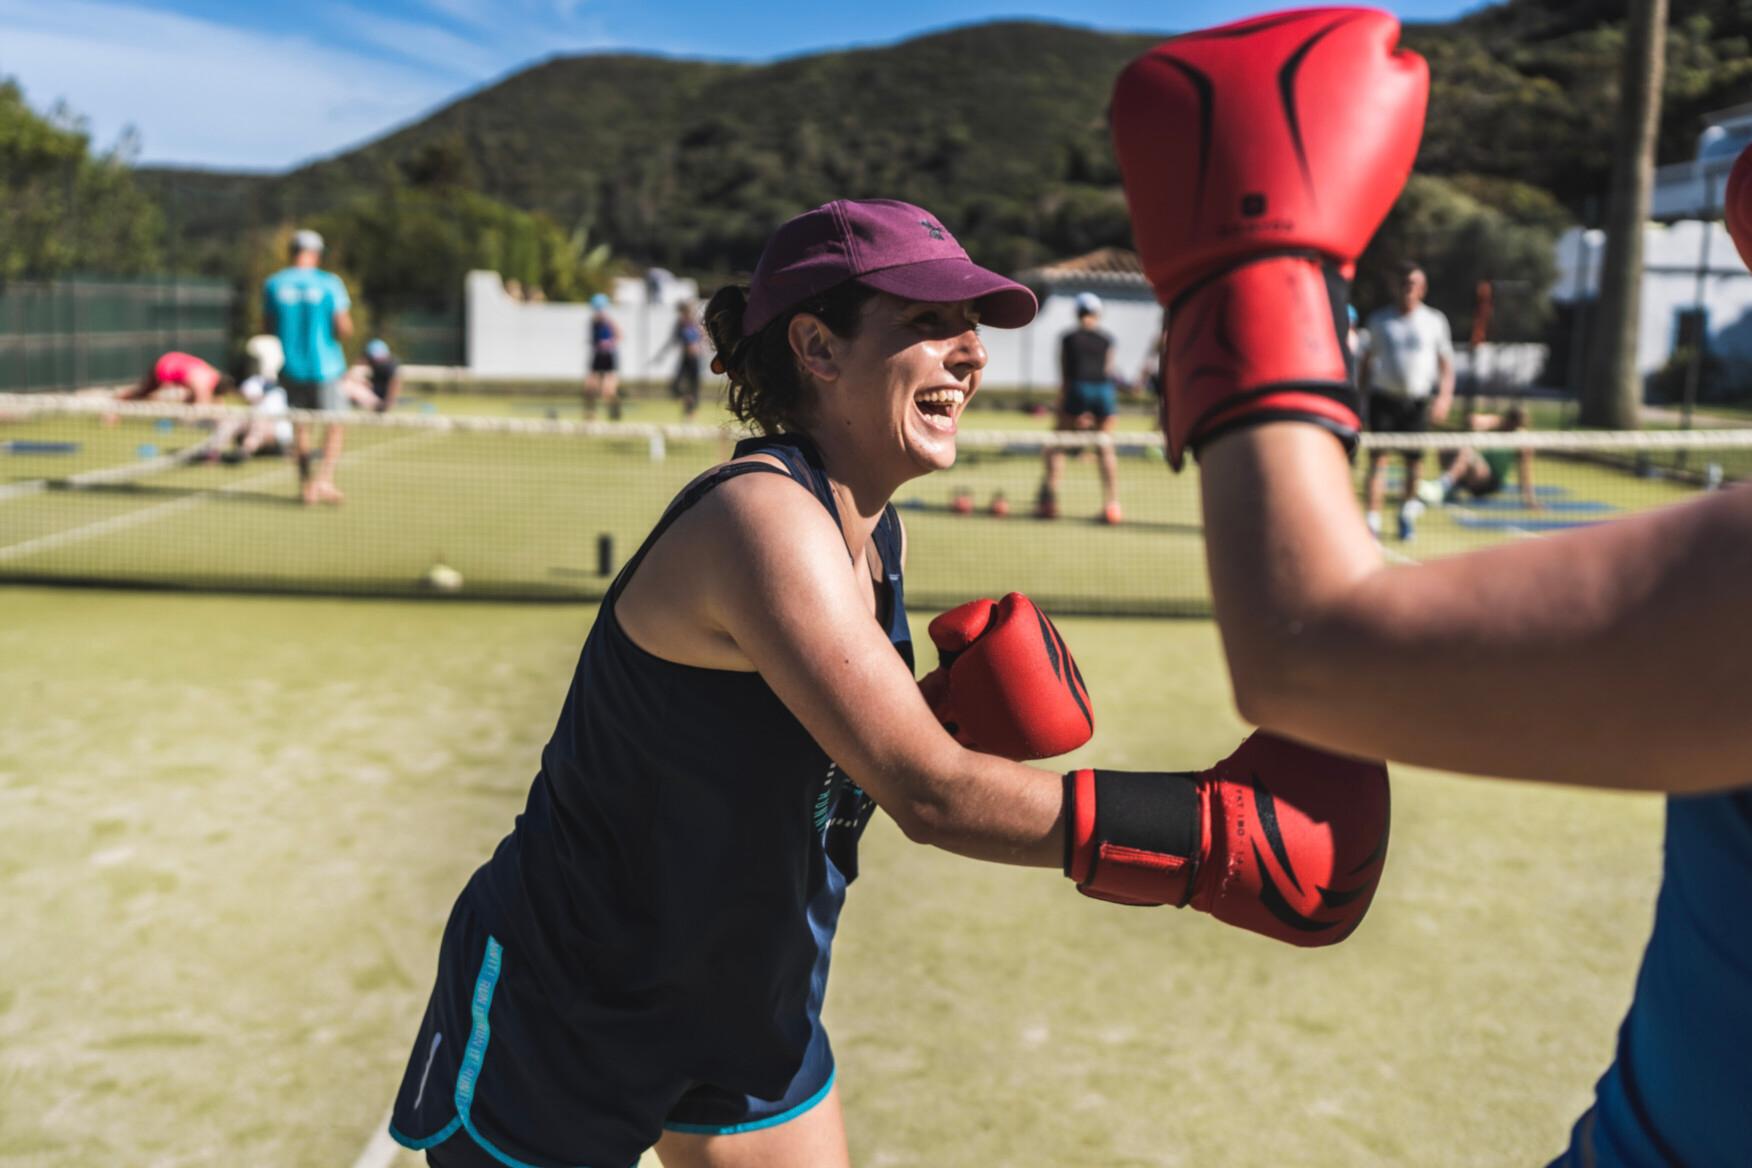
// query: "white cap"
[[306, 240], [1087, 303]]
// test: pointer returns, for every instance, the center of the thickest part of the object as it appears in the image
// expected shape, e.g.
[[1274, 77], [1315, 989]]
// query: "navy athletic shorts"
[[1389, 413], [1089, 397], [501, 1076]]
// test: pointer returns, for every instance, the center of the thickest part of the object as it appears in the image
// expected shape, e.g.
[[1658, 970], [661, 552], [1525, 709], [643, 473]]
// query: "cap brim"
[[1003, 303]]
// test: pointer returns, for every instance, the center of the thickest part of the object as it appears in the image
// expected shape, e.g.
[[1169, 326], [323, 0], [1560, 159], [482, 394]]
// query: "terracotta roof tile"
[[1106, 265]]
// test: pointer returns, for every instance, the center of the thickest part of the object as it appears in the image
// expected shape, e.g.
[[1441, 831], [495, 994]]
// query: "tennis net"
[[94, 492]]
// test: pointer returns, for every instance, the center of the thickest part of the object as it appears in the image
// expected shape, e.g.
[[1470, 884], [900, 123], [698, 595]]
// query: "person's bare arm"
[[782, 591], [141, 389], [1614, 656], [1444, 389], [343, 322], [1524, 476]]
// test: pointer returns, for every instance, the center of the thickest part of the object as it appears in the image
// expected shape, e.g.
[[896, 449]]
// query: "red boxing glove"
[[1738, 209], [1278, 838], [1258, 158], [1005, 683]]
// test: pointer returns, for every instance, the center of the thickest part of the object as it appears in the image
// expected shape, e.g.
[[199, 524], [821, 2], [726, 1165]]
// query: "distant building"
[[1693, 190], [1694, 287], [1029, 357]]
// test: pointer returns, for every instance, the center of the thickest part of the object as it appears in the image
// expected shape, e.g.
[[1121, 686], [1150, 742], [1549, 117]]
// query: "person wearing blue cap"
[[602, 380], [377, 383]]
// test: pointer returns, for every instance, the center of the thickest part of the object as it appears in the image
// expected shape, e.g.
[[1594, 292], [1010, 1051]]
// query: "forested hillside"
[[998, 128]]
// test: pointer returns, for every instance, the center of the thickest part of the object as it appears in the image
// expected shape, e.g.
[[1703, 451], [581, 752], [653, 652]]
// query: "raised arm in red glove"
[[1258, 159]]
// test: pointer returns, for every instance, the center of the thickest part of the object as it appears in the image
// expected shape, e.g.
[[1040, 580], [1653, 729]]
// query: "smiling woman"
[[643, 961]]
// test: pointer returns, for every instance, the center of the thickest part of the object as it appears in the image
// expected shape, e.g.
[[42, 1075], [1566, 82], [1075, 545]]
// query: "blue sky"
[[264, 86]]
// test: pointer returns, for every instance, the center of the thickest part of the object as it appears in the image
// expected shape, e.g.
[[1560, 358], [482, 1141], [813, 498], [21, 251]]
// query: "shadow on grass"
[[217, 492], [1022, 516]]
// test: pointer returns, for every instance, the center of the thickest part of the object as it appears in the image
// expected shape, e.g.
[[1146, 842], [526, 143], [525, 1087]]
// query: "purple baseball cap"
[[883, 244]]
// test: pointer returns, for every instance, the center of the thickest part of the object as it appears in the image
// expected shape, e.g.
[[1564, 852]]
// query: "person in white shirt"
[[1407, 380]]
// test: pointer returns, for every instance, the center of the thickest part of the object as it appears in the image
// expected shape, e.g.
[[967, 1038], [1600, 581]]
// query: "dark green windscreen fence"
[[97, 330]]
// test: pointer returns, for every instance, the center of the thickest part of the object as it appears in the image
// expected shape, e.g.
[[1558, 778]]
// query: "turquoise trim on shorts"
[[479, 1034], [480, 1030], [410, 1142], [707, 1129]]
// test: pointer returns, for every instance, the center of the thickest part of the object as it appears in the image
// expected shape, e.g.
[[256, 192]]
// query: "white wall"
[[508, 338], [512, 339], [1673, 254], [1029, 357], [1689, 188]]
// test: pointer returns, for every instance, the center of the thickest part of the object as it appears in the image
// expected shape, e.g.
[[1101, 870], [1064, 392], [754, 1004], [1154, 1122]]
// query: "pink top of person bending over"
[[186, 369], [176, 377]]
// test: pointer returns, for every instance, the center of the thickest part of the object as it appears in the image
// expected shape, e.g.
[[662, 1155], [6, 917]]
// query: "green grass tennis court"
[[231, 827], [524, 512]]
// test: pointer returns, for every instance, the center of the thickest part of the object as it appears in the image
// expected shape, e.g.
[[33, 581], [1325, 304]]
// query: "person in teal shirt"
[[310, 311]]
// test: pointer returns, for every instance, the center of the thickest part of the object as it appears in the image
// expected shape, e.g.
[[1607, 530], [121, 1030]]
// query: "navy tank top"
[[678, 871], [601, 334]]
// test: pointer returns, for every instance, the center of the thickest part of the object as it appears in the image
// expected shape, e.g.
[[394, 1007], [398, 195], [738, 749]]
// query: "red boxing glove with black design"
[[1258, 158], [1005, 683], [1278, 838], [1738, 205]]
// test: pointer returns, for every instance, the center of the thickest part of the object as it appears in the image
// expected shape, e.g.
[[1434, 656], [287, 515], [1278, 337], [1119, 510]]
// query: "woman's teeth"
[[941, 401]]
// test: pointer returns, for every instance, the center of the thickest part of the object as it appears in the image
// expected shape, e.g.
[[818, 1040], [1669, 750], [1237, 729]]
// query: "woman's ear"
[[815, 346]]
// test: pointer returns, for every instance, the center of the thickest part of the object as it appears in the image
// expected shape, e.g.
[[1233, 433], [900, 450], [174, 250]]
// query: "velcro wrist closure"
[[1133, 837], [1334, 407]]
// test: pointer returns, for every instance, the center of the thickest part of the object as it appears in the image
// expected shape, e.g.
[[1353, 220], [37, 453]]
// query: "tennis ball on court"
[[443, 578]]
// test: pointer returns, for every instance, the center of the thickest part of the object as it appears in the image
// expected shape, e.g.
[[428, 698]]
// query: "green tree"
[[64, 208], [1465, 231]]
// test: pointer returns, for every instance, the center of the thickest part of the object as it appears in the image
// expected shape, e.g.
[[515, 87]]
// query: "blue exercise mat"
[[1473, 523], [1567, 506], [26, 446]]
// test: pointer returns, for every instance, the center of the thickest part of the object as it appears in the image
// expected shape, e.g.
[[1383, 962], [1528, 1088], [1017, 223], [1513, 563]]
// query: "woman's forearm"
[[986, 808], [1614, 656]]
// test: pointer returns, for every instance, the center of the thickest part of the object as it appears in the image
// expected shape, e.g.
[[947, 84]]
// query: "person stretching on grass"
[[643, 960], [1617, 656], [1481, 473], [374, 383], [177, 377]]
